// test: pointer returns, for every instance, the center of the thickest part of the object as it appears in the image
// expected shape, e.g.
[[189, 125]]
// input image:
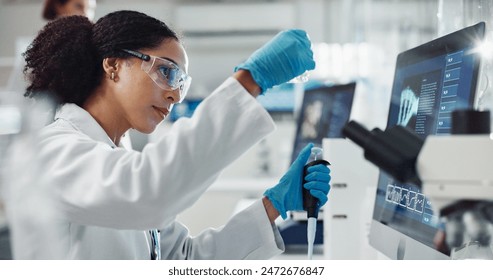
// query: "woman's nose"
[[173, 95]]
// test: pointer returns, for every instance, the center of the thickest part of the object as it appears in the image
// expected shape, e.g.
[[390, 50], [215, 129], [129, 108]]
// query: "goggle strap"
[[142, 56]]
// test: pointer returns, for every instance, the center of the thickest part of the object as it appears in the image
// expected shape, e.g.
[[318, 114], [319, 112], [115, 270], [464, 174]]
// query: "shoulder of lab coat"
[[103, 185], [247, 235]]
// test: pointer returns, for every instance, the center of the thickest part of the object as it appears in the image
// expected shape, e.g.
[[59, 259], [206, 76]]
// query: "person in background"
[[54, 9], [126, 71]]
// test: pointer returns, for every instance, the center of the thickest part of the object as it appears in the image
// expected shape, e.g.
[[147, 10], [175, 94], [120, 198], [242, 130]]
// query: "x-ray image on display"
[[311, 119], [418, 100], [408, 107], [324, 112]]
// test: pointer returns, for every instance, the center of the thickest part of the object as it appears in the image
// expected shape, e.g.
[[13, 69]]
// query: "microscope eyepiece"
[[394, 150]]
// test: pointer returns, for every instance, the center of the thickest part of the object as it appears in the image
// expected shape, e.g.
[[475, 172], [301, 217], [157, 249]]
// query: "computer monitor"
[[430, 81], [184, 109], [279, 99], [325, 110]]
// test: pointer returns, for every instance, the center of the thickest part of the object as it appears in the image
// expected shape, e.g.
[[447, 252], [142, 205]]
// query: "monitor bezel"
[[387, 240]]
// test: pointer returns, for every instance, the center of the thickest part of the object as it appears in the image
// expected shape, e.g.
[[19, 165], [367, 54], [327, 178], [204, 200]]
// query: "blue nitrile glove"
[[283, 58], [287, 194]]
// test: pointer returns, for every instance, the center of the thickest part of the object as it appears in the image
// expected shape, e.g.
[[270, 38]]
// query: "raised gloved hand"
[[283, 58], [287, 195]]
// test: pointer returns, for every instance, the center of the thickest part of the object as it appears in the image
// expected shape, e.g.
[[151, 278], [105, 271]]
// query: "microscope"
[[454, 171]]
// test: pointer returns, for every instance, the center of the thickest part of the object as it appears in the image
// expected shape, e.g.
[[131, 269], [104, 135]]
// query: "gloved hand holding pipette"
[[287, 195], [283, 58], [310, 202]]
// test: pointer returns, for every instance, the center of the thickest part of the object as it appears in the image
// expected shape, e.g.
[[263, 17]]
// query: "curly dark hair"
[[64, 62]]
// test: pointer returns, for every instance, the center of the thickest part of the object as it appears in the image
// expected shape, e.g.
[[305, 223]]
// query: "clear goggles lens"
[[167, 75]]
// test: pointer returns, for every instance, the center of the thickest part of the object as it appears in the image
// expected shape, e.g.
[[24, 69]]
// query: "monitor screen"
[[325, 110], [279, 99], [184, 109], [430, 81]]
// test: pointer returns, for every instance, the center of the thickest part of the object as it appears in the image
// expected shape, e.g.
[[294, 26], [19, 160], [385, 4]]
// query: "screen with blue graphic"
[[184, 109], [430, 82], [279, 99]]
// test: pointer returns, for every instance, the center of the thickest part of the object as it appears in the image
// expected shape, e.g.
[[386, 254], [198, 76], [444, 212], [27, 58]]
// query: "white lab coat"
[[101, 200]]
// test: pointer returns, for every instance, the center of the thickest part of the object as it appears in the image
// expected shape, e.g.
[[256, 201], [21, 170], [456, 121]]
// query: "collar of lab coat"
[[84, 122]]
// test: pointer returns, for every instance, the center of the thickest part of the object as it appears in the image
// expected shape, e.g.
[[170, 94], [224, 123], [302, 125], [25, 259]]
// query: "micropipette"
[[310, 203]]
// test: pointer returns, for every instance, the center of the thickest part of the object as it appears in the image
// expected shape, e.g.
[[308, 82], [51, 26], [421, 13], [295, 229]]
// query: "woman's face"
[[77, 7], [144, 103]]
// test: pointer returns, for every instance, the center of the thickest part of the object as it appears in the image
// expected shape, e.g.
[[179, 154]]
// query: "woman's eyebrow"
[[169, 59]]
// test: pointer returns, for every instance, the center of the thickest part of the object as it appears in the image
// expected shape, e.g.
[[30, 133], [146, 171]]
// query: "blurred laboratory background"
[[355, 42]]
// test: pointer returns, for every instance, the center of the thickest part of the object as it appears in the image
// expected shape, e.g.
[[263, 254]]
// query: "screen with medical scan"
[[325, 110], [430, 82]]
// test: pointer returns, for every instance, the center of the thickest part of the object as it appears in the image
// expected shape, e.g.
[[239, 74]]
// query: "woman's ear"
[[110, 66]]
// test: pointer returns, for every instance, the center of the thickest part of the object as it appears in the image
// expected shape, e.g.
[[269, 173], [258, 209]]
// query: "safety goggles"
[[165, 73]]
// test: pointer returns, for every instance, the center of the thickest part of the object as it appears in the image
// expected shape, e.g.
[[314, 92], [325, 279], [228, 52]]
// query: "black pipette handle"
[[309, 201]]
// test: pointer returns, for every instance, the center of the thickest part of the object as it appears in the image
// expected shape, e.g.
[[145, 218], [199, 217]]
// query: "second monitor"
[[324, 112]]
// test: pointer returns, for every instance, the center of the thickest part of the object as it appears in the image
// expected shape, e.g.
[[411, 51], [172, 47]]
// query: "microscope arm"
[[394, 150]]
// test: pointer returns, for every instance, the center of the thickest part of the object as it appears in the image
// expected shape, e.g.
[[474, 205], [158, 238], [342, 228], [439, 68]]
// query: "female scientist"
[[127, 71]]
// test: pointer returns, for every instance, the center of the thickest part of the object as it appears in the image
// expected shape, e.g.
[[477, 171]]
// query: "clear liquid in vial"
[[303, 78]]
